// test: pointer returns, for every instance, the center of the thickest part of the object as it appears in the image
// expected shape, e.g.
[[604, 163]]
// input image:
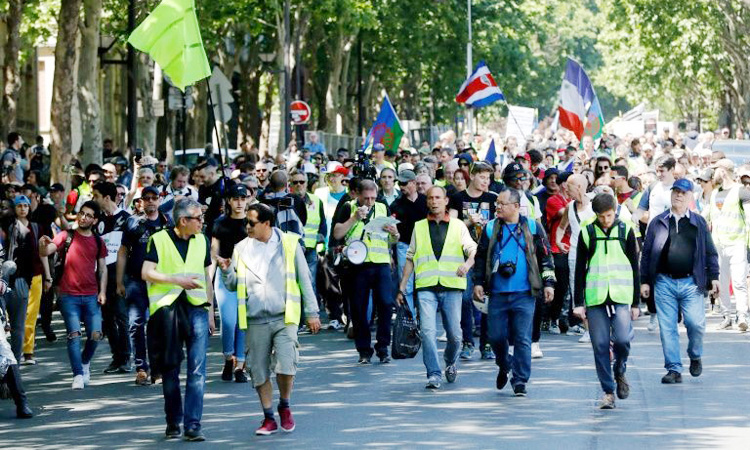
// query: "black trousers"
[[115, 324]]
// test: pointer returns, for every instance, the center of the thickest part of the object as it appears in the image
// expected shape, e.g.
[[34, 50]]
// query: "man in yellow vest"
[[607, 293], [316, 228], [374, 274], [269, 272], [181, 307], [441, 253]]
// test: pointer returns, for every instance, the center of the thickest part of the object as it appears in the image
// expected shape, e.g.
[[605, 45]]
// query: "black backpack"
[[621, 236], [62, 256]]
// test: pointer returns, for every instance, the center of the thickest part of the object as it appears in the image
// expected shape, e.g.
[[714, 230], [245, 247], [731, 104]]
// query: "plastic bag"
[[406, 338]]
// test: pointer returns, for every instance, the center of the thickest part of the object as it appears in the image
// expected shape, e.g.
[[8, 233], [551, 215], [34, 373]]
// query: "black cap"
[[57, 187], [238, 190], [562, 177], [150, 190], [512, 169]]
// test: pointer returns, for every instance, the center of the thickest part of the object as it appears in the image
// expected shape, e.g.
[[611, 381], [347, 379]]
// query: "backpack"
[[621, 236], [60, 263]]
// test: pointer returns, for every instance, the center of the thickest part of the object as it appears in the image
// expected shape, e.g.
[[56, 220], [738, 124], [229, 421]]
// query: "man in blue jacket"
[[679, 261]]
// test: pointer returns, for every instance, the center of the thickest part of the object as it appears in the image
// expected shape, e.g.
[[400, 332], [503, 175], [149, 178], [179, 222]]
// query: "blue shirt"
[[316, 147], [509, 250]]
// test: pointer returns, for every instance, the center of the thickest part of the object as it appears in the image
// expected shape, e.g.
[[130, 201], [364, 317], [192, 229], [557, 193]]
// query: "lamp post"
[[469, 111]]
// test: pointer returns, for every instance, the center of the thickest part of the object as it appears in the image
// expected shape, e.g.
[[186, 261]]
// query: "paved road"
[[338, 404]]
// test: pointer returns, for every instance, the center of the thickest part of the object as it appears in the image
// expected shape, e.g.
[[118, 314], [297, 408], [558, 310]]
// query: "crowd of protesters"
[[505, 241]]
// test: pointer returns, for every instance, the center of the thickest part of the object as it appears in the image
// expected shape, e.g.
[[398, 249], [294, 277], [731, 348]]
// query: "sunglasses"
[[521, 178], [251, 223], [299, 182], [150, 198], [198, 218], [403, 183], [261, 170]]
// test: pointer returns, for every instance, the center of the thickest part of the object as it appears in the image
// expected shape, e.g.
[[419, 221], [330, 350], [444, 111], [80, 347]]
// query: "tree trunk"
[[11, 78], [196, 122], [88, 83], [265, 129], [146, 123], [63, 90]]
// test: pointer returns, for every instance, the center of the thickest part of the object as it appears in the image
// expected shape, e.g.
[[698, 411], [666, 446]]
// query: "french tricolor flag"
[[577, 95], [480, 88]]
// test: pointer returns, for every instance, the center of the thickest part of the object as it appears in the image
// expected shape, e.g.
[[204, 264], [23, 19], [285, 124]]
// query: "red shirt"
[[554, 204], [80, 276]]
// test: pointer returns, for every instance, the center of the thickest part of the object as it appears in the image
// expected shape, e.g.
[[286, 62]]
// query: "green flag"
[[170, 35]]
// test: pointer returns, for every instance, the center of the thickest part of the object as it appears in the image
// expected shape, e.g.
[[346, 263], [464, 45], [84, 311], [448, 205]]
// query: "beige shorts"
[[272, 347]]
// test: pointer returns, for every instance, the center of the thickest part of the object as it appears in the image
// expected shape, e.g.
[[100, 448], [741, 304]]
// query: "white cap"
[[332, 165], [405, 166]]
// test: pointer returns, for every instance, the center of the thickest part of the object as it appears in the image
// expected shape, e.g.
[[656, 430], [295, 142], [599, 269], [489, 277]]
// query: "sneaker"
[[172, 432], [696, 367], [113, 367], [267, 427], [125, 368], [287, 421], [77, 382], [519, 390], [623, 388], [49, 335], [653, 323], [86, 373], [226, 374], [502, 379], [303, 329], [141, 378], [671, 377], [725, 324], [467, 351], [385, 359], [607, 401], [240, 376], [585, 338], [554, 328], [195, 435], [334, 325], [443, 337], [536, 351], [433, 382], [487, 352], [563, 325], [577, 329], [155, 379], [451, 373], [28, 360], [364, 359], [741, 324]]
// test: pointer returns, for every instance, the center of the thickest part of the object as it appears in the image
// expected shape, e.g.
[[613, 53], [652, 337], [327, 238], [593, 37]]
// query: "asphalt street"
[[338, 404]]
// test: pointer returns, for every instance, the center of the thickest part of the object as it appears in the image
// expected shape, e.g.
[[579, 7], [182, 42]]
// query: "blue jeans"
[[506, 314], [197, 344], [671, 295], [16, 303], [401, 249], [449, 303], [372, 279], [467, 310], [136, 294], [232, 337], [604, 326], [311, 256], [74, 309]]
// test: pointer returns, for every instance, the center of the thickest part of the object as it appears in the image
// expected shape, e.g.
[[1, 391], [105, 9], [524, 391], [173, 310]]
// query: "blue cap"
[[21, 200], [683, 184]]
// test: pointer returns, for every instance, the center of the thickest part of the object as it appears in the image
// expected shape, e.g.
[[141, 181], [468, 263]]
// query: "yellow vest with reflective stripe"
[[609, 271], [293, 304], [313, 222], [171, 263], [430, 271], [377, 243], [728, 223]]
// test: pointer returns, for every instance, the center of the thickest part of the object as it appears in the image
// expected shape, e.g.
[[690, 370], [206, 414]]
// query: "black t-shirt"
[[111, 229], [212, 197], [229, 232], [44, 215], [342, 214], [138, 230], [409, 213], [182, 248], [677, 255], [466, 204]]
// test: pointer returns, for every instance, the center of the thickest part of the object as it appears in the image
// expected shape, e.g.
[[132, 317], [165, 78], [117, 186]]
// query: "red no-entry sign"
[[300, 112]]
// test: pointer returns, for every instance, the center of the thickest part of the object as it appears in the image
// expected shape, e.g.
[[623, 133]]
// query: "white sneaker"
[[577, 329], [443, 337], [742, 323], [536, 352], [554, 328], [653, 323], [335, 325], [585, 339], [510, 350], [86, 373], [77, 382]]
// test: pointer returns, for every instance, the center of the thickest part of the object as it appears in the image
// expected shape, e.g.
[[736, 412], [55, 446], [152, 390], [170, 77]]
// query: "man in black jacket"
[[513, 265]]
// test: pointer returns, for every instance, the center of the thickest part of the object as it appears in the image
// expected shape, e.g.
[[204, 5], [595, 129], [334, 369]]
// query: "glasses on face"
[[84, 215], [521, 178], [604, 168], [504, 204], [464, 164], [298, 182], [261, 170], [120, 194], [150, 198], [251, 223], [403, 183], [198, 218], [93, 180]]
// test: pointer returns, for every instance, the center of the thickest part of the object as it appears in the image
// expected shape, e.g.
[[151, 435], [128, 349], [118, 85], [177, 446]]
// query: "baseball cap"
[[340, 169], [121, 161], [150, 190], [724, 163], [562, 177], [683, 184], [390, 153], [406, 176], [21, 200], [525, 156], [405, 166], [238, 190], [57, 187], [378, 148], [706, 175], [512, 169]]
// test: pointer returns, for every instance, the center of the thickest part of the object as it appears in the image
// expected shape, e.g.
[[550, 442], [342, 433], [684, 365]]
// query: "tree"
[[88, 83], [11, 80]]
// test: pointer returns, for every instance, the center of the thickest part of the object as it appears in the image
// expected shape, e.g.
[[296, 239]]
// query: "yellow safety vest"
[[313, 222], [728, 226], [377, 243], [430, 271], [293, 310], [171, 263], [609, 271]]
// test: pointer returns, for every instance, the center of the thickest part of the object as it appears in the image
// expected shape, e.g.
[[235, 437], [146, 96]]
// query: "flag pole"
[[216, 129]]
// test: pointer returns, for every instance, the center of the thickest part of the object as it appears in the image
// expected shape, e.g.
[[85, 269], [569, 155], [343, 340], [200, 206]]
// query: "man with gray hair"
[[180, 295], [424, 183]]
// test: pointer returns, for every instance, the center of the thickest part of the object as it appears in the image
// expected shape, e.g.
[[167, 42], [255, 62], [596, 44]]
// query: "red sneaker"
[[268, 427], [287, 421]]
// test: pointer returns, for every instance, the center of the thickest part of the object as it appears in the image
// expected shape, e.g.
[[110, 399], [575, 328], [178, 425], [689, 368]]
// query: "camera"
[[363, 167], [138, 155], [507, 269]]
